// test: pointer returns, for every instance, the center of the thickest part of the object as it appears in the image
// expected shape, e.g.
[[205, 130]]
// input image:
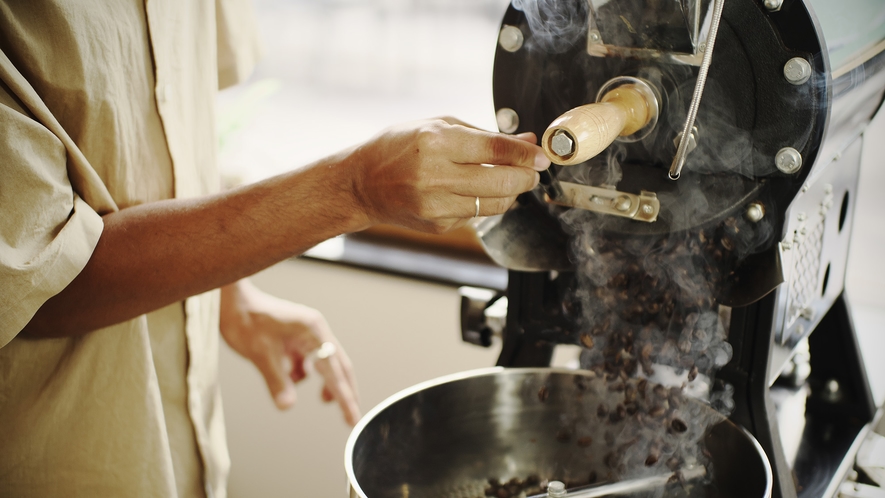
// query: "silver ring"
[[477, 208], [323, 352]]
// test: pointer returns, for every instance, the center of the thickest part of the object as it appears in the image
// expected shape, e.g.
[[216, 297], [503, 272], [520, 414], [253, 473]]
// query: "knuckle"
[[505, 151]]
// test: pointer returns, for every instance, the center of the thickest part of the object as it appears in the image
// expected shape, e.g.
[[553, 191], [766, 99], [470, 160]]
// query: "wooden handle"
[[593, 127]]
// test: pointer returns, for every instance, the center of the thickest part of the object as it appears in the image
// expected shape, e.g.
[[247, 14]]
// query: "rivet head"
[[556, 489], [508, 120], [511, 38], [562, 144], [623, 203], [788, 160], [594, 36], [797, 70], [755, 212], [773, 5]]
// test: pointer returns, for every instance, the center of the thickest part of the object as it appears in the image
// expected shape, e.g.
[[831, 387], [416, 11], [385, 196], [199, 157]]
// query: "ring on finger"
[[476, 215], [323, 352]]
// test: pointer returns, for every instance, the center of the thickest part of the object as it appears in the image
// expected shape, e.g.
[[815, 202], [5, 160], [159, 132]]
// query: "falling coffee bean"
[[678, 425]]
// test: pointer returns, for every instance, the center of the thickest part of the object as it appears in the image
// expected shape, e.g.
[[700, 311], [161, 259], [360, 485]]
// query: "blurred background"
[[334, 73]]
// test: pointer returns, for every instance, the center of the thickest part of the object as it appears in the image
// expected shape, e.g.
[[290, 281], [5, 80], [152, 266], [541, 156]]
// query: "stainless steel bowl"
[[447, 437]]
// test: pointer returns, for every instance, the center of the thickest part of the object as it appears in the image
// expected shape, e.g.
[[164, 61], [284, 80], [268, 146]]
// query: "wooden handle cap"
[[585, 131]]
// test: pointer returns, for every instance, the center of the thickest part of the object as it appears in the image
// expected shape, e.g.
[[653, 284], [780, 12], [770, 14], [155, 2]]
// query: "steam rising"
[[555, 25]]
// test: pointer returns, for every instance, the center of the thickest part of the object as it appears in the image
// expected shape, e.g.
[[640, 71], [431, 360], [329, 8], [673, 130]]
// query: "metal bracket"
[[606, 200]]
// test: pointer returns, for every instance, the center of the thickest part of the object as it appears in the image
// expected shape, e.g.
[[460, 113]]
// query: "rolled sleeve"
[[47, 233]]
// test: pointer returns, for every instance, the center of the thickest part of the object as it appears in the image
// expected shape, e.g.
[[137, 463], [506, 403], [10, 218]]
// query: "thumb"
[[281, 387]]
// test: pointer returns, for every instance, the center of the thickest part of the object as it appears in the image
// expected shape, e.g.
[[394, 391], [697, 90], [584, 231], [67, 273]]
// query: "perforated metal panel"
[[805, 277]]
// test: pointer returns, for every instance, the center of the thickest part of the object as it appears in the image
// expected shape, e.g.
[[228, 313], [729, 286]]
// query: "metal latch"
[[607, 200]]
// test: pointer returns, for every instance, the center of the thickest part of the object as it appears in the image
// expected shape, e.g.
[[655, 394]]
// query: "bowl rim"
[[479, 372]]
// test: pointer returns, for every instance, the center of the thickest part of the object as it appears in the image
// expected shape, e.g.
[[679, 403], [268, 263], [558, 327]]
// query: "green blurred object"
[[234, 117]]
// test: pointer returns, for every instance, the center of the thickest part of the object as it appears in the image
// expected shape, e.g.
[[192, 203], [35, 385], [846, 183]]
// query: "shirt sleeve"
[[239, 47], [47, 233]]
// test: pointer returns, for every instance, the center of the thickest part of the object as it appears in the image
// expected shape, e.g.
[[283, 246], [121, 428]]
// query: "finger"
[[527, 137], [275, 370], [449, 211], [298, 372], [347, 368], [457, 122], [471, 146], [478, 181], [490, 206], [328, 397], [342, 391]]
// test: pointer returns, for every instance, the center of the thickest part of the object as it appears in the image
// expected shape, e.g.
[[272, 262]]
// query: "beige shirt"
[[104, 105]]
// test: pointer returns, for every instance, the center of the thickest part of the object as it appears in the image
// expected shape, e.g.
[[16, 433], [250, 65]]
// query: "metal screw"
[[801, 217], [832, 391], [562, 143], [692, 140], [508, 120], [647, 209], [755, 212], [594, 36], [773, 5], [788, 160], [623, 203], [556, 489], [807, 313], [797, 70], [511, 38]]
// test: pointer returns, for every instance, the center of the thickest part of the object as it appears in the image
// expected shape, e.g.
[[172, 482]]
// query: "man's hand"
[[277, 336], [427, 175]]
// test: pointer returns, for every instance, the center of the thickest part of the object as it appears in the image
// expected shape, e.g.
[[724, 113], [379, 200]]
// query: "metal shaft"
[[632, 486], [682, 150]]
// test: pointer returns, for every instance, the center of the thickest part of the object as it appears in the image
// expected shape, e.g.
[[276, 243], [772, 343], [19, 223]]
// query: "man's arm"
[[424, 176]]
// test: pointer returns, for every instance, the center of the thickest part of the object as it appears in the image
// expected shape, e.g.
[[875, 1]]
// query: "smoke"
[[652, 328], [555, 25]]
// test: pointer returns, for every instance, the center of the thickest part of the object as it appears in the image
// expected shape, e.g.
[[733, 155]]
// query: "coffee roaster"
[[709, 240]]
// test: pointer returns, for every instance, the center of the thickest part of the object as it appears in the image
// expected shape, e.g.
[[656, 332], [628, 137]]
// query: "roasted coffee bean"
[[657, 411], [581, 382], [693, 373], [631, 408], [685, 346], [601, 411], [660, 391], [654, 454], [675, 397], [630, 392], [543, 393], [678, 425], [587, 341], [585, 441], [609, 438]]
